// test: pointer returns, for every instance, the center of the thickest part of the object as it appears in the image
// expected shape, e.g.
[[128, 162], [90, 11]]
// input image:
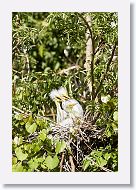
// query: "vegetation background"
[[80, 52]]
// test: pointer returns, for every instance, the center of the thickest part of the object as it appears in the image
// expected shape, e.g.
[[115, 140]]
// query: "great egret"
[[69, 105], [61, 114]]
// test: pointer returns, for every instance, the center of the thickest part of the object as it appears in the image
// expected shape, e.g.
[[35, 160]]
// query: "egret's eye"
[[65, 97], [58, 98]]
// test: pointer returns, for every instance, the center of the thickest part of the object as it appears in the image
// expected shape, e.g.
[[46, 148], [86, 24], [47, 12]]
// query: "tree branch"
[[72, 163], [107, 69], [61, 162]]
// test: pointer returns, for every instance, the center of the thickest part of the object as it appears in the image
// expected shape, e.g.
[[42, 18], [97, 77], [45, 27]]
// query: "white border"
[[6, 9]]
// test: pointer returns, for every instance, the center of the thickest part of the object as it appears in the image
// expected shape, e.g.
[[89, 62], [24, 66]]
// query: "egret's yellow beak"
[[58, 99], [64, 97]]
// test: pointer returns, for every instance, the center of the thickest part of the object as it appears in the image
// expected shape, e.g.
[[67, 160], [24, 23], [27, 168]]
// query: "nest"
[[78, 138], [82, 129]]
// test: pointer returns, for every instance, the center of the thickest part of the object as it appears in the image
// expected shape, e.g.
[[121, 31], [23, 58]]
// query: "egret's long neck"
[[61, 114], [58, 112]]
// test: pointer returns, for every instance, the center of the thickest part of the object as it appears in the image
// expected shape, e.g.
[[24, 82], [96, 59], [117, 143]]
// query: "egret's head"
[[55, 96], [70, 105], [63, 93]]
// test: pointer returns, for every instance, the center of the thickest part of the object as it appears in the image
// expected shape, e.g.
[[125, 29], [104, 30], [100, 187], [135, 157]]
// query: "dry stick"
[[104, 75], [69, 69], [61, 162], [16, 71], [15, 108], [72, 163]]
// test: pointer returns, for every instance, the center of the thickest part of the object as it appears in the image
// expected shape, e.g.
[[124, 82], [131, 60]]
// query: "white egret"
[[61, 114], [71, 106]]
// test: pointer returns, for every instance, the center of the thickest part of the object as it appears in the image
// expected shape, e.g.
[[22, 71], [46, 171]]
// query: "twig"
[[21, 111], [104, 75], [69, 69], [16, 71], [61, 162], [86, 23], [72, 163]]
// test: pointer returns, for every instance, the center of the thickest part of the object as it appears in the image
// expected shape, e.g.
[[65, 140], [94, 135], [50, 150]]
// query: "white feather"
[[67, 122], [62, 91], [76, 110], [54, 93], [61, 114]]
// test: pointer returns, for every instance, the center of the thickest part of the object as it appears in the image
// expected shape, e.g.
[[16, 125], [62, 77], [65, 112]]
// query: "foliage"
[[49, 52]]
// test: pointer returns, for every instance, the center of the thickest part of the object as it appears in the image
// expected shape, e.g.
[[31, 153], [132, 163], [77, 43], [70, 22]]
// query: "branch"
[[72, 163], [61, 162], [66, 71], [19, 110], [86, 23], [107, 69]]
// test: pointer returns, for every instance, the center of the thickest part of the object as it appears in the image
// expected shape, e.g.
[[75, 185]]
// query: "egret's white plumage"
[[63, 93], [73, 107], [61, 114], [68, 122], [54, 94]]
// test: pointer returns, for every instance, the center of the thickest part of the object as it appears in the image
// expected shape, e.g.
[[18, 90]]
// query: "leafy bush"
[[49, 51]]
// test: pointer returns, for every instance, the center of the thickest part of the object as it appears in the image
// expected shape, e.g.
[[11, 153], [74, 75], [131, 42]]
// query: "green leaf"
[[43, 166], [86, 164], [57, 65], [36, 147], [51, 163], [43, 135], [30, 128], [60, 146], [115, 116], [41, 50], [18, 167], [20, 155], [14, 160], [107, 156], [30, 119], [101, 162], [108, 130], [33, 164], [19, 117]]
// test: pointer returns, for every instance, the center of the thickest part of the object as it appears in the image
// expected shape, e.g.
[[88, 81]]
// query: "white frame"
[[6, 9]]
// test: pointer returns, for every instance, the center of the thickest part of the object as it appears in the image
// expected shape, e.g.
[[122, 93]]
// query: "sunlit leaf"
[[115, 116], [60, 146], [30, 128], [20, 155], [51, 163]]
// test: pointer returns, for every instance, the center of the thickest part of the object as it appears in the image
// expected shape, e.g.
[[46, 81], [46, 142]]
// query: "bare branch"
[[107, 69], [72, 163], [66, 71], [61, 162]]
